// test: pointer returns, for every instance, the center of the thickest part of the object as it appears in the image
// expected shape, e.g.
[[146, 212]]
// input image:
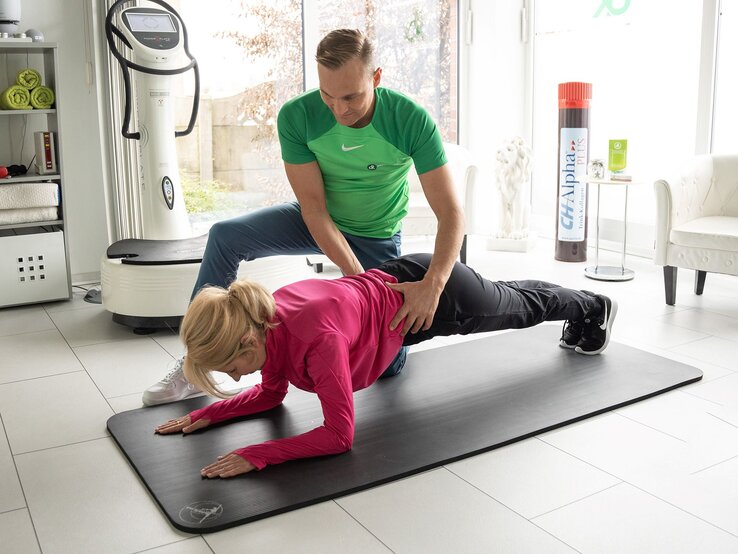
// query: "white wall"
[[493, 90], [62, 21]]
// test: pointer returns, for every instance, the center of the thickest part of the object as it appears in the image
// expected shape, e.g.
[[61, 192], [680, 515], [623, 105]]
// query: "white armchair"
[[697, 221]]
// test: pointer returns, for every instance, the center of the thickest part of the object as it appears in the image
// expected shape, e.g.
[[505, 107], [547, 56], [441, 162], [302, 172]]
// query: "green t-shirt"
[[364, 170]]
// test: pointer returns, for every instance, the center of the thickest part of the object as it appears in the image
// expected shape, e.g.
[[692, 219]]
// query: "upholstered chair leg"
[[462, 254], [670, 281], [699, 281]]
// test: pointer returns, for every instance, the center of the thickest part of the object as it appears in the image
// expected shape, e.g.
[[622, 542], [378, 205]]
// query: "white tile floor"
[[658, 476]]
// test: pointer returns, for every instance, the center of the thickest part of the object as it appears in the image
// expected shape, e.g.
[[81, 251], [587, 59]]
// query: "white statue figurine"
[[512, 175]]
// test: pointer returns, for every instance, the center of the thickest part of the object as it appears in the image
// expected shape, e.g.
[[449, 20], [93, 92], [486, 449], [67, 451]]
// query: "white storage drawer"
[[33, 268]]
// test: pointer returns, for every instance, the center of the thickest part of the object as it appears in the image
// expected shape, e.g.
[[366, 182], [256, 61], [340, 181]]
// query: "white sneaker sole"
[[152, 400]]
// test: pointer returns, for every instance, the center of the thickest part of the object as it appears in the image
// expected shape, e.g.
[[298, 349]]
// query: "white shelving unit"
[[34, 256]]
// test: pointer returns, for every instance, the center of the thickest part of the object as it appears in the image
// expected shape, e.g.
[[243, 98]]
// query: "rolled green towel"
[[28, 78], [15, 98], [42, 98]]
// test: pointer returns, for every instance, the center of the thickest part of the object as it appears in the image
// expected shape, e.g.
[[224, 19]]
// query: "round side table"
[[609, 272]]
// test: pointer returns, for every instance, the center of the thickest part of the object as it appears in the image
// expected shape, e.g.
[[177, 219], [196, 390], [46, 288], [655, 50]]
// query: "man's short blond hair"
[[343, 45]]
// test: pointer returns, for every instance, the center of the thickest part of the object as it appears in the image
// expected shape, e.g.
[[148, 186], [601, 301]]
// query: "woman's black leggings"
[[471, 304]]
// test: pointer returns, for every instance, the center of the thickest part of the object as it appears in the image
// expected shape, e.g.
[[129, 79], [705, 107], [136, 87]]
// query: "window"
[[251, 56], [415, 44], [725, 115], [231, 164], [642, 59]]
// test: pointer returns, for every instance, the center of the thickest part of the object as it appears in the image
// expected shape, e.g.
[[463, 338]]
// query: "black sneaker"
[[571, 334], [597, 330]]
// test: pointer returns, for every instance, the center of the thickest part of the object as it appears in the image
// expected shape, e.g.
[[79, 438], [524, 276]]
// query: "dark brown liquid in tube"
[[571, 194]]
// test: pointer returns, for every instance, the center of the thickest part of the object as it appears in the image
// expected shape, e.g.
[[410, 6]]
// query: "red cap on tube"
[[574, 95]]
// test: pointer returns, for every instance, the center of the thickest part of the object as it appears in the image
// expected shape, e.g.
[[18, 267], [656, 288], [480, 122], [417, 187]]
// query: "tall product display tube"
[[571, 201]]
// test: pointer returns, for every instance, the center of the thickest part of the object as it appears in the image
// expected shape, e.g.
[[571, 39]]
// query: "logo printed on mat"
[[201, 512], [350, 148]]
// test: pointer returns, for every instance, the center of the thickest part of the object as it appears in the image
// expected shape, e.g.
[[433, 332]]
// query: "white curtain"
[[125, 161]]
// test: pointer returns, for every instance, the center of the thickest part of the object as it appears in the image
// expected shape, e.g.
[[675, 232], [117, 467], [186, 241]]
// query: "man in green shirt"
[[347, 149], [347, 159]]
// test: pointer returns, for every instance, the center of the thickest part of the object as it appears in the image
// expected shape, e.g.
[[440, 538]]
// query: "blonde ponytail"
[[214, 324]]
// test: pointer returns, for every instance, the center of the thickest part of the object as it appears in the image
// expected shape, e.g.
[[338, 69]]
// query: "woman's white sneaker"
[[174, 386]]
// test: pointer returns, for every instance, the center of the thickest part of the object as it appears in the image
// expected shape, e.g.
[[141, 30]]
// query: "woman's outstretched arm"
[[328, 367], [267, 395], [262, 397]]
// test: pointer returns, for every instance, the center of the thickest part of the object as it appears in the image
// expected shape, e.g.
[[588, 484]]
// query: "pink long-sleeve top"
[[332, 338]]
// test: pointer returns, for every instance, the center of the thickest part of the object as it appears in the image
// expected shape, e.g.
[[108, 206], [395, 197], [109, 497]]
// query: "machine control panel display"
[[156, 29], [150, 22]]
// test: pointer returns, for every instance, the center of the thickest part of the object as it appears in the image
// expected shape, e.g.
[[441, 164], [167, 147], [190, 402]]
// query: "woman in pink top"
[[335, 337]]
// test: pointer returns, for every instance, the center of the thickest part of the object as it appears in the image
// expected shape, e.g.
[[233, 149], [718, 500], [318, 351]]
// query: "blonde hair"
[[343, 45], [214, 325]]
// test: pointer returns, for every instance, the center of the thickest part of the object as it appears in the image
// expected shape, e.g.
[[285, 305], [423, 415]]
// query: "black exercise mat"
[[448, 404]]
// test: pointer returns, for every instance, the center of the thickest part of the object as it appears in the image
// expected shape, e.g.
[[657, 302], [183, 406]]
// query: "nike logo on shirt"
[[350, 148]]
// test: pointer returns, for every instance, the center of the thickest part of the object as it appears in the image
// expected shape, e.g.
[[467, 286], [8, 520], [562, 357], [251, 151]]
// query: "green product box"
[[617, 157]]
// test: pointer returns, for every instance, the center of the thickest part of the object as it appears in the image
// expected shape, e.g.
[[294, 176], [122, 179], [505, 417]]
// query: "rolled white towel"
[[28, 195], [28, 215]]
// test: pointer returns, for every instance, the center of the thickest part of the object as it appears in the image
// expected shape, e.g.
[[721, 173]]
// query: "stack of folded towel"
[[27, 93], [28, 202]]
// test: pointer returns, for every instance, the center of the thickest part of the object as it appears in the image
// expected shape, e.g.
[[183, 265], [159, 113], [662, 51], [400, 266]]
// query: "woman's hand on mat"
[[421, 302], [183, 424], [229, 465]]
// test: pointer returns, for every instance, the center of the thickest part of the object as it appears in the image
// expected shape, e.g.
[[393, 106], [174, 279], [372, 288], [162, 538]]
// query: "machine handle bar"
[[126, 65]]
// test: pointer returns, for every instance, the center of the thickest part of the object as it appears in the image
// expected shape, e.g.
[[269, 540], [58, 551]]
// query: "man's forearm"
[[307, 182], [332, 243], [449, 237]]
